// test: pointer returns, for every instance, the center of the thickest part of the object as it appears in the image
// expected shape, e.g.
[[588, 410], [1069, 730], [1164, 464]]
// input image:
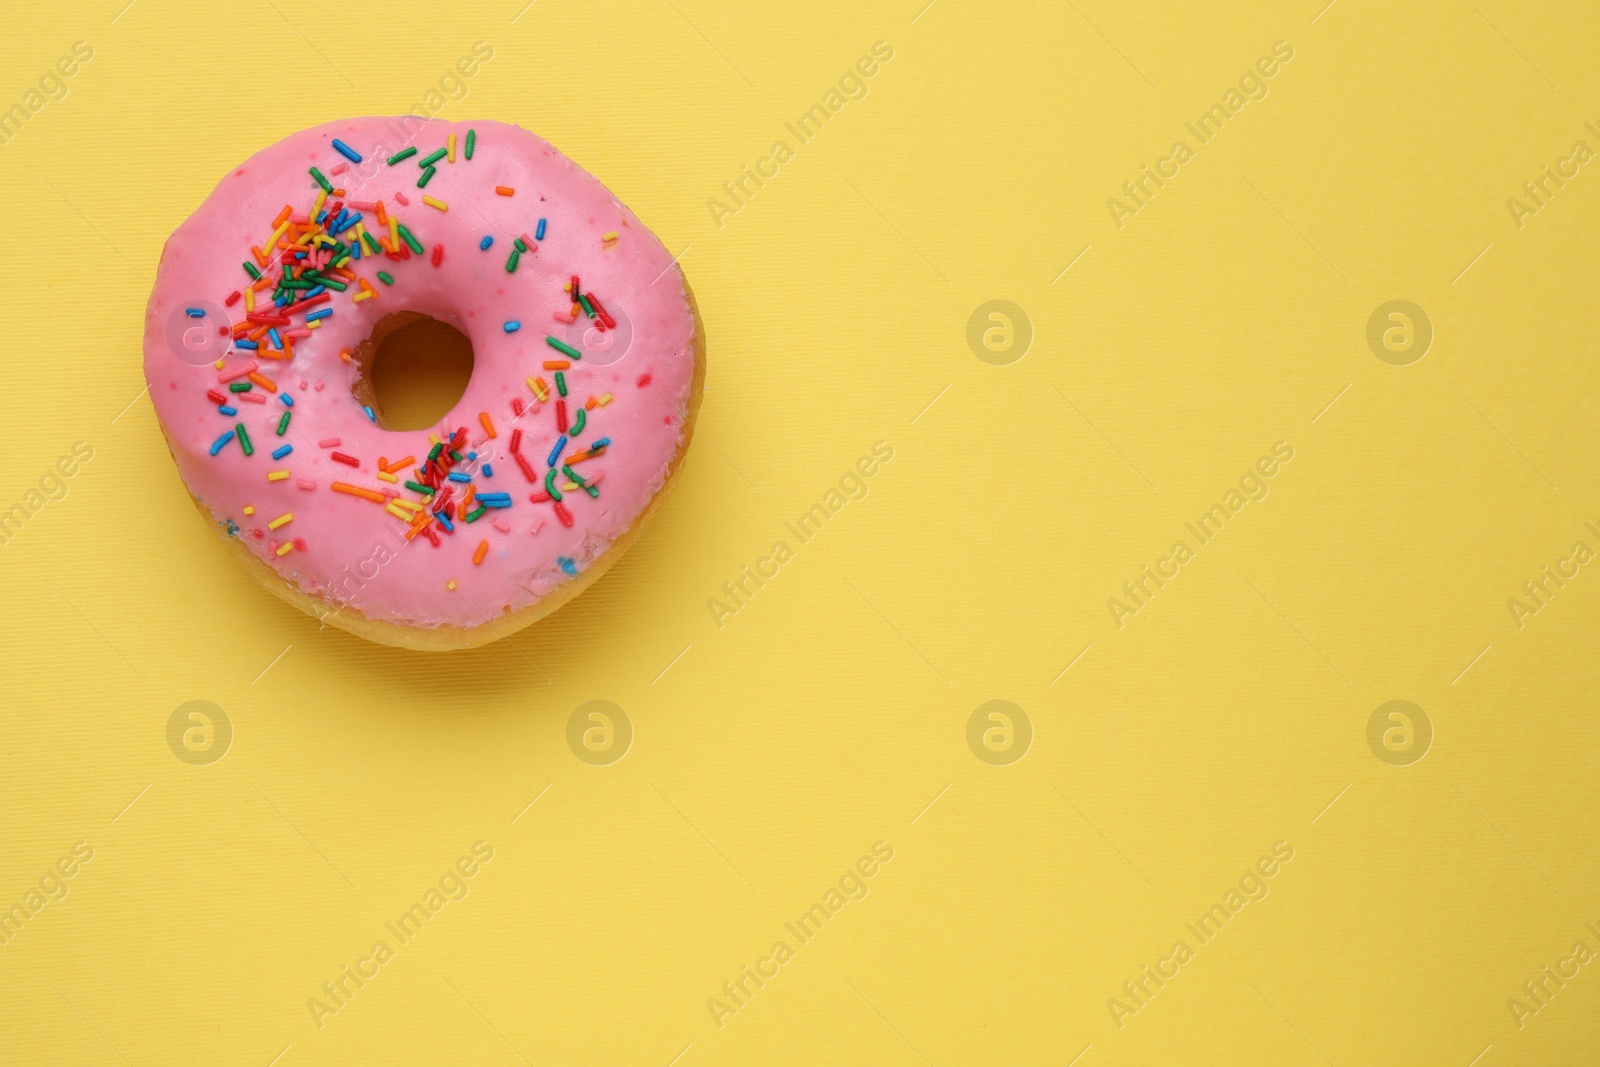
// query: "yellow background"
[[831, 711]]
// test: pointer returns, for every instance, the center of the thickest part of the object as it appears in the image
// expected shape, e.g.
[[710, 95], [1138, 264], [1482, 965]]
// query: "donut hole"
[[414, 369]]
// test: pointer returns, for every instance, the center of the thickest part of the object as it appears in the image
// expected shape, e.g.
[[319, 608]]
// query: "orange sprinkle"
[[557, 364], [590, 404], [505, 190], [356, 490], [269, 386], [483, 550], [488, 423], [398, 464], [283, 216]]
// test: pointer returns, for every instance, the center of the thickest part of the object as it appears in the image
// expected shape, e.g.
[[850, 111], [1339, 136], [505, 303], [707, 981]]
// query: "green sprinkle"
[[472, 142], [405, 234], [385, 277], [317, 174], [244, 439], [250, 269], [476, 513], [550, 485], [588, 308], [585, 486], [578, 422], [433, 453], [455, 455], [239, 387], [332, 283], [511, 264], [432, 158], [404, 153], [561, 346], [522, 246], [561, 383], [425, 490], [283, 423], [427, 176], [372, 246]]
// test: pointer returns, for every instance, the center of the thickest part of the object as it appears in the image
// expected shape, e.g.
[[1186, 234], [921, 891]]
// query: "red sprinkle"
[[563, 514], [644, 380], [216, 397], [516, 438], [516, 406], [561, 416], [233, 298], [438, 254], [605, 316], [539, 498], [527, 468], [340, 457]]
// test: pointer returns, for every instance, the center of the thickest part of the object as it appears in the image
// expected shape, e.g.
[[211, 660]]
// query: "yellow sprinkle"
[[277, 476], [438, 204], [249, 509], [604, 400], [433, 439], [570, 487], [540, 389], [217, 364], [283, 228], [314, 324], [450, 148], [451, 584], [322, 198], [282, 520], [285, 548], [612, 236], [394, 233], [399, 513], [249, 298], [385, 476], [411, 505], [359, 297]]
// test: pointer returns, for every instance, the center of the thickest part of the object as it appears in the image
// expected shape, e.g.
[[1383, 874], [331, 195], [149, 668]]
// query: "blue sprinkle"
[[320, 313], [568, 565], [281, 451], [288, 401], [513, 326], [195, 313], [457, 476], [472, 455], [444, 520], [494, 496], [488, 471], [251, 345], [226, 410], [601, 443], [538, 235], [216, 446], [346, 151], [276, 340], [555, 452], [279, 301], [355, 249], [315, 292], [370, 416], [485, 243]]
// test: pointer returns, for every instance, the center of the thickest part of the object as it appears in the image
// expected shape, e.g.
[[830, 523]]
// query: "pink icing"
[[351, 550]]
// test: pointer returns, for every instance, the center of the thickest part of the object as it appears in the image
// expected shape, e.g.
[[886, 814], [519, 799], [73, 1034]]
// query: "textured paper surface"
[[1144, 363]]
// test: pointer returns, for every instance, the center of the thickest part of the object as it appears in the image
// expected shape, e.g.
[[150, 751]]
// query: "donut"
[[271, 303]]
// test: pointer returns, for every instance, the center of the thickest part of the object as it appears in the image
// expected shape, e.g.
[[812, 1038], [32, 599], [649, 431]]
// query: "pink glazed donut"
[[588, 359]]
